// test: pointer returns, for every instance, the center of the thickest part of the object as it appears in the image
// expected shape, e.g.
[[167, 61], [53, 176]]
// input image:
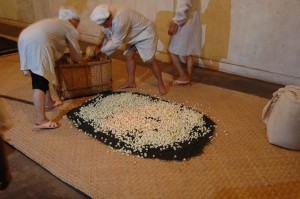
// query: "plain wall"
[[256, 39]]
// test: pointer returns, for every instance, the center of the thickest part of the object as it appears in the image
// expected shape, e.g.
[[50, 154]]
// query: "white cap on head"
[[68, 14], [100, 14]]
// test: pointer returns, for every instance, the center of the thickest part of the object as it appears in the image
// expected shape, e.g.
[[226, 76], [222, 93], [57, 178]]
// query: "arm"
[[103, 39], [180, 16], [75, 52], [120, 29], [181, 10]]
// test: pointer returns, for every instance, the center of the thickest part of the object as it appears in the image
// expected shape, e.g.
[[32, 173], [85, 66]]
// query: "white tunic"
[[44, 42], [186, 41], [131, 27]]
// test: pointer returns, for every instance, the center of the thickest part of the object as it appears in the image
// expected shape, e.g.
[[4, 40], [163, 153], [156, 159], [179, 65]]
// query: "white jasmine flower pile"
[[148, 127]]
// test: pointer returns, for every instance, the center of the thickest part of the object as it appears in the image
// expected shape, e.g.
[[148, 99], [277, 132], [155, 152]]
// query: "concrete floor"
[[30, 180]]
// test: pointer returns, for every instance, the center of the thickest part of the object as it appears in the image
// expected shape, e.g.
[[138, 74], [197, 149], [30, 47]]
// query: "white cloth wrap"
[[282, 116], [186, 41], [131, 27], [44, 42], [68, 14], [100, 14]]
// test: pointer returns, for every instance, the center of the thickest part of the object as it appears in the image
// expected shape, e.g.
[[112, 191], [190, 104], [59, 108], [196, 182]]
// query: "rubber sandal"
[[181, 82], [46, 126]]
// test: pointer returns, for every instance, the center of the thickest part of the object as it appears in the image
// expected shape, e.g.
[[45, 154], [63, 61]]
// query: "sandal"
[[46, 126], [181, 82]]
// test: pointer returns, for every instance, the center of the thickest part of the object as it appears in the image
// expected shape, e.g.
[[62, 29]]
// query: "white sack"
[[282, 116]]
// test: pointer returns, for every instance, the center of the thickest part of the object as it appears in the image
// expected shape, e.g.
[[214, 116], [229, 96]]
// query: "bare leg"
[[157, 74], [42, 122], [130, 65], [49, 100], [50, 103], [39, 106], [176, 61], [189, 62]]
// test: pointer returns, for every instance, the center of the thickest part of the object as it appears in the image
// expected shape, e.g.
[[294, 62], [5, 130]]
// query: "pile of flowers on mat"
[[138, 124]]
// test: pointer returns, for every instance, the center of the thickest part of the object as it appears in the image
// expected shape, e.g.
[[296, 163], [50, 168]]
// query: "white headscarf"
[[100, 14], [68, 14]]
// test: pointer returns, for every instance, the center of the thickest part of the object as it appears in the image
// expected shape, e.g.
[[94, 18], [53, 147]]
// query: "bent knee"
[[129, 56]]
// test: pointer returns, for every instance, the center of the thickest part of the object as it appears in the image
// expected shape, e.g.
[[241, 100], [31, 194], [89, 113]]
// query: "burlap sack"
[[282, 116]]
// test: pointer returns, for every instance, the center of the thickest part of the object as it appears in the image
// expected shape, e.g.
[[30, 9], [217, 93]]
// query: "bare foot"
[[53, 105], [128, 85], [162, 90]]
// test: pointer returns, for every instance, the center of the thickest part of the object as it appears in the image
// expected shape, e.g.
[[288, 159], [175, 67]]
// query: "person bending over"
[[40, 45], [124, 25]]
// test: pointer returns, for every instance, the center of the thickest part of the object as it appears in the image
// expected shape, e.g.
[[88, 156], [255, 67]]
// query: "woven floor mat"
[[13, 83], [238, 163]]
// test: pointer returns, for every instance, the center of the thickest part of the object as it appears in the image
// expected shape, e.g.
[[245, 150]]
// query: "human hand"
[[97, 51], [173, 28]]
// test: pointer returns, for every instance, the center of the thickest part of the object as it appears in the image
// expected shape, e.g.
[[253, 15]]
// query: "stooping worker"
[[185, 42], [124, 25], [40, 45]]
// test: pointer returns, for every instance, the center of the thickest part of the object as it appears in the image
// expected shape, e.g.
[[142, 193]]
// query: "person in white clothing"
[[40, 45], [185, 31], [123, 25]]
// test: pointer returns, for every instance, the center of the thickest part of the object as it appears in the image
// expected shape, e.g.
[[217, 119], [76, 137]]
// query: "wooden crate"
[[84, 79]]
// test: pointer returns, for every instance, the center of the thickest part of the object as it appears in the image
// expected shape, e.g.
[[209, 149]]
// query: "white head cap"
[[100, 14], [68, 14]]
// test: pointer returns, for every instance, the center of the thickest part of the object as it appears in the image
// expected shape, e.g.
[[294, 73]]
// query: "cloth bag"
[[282, 117]]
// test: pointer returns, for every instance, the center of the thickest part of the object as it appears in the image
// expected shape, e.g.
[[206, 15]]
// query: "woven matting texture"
[[238, 163]]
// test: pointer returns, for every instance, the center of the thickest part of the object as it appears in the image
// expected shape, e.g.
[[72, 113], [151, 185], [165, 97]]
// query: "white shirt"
[[131, 27], [44, 42], [182, 8], [186, 41]]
